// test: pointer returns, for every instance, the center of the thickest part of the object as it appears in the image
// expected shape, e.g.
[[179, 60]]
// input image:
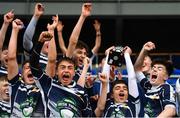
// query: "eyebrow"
[[66, 66]]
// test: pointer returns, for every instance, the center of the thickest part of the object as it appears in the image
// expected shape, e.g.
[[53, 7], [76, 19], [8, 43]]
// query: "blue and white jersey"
[[5, 109], [3, 71], [25, 99], [157, 97], [64, 101], [43, 61], [120, 110]]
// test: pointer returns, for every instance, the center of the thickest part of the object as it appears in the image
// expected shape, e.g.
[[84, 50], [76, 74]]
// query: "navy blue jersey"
[[5, 109], [64, 101], [43, 61], [119, 110], [157, 97], [25, 99]]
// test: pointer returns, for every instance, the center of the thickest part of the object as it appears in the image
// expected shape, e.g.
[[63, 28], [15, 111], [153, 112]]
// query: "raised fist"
[[45, 36], [17, 24], [8, 17], [86, 9]]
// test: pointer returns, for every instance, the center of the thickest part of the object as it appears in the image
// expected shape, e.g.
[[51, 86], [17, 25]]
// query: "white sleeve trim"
[[140, 75], [132, 83]]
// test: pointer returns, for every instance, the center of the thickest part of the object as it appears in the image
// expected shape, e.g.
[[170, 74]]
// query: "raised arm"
[[8, 17], [144, 52], [86, 11], [106, 67], [81, 80], [102, 99], [62, 46], [51, 65], [29, 33], [34, 58], [97, 27], [12, 49], [132, 83]]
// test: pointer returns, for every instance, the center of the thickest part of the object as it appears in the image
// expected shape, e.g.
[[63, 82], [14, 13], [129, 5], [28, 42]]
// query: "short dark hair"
[[167, 63], [118, 82], [3, 78], [80, 45], [25, 62], [64, 58]]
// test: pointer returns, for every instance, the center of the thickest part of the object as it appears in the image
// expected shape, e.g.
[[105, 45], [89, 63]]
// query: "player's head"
[[4, 88], [80, 52], [26, 73], [119, 91], [161, 70], [65, 70]]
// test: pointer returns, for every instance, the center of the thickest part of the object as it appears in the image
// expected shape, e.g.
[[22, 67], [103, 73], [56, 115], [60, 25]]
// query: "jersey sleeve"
[[168, 95]]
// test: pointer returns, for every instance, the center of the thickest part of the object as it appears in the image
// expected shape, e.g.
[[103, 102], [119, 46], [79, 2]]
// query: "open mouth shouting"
[[7, 93], [121, 96], [66, 76], [80, 62], [30, 77], [153, 78]]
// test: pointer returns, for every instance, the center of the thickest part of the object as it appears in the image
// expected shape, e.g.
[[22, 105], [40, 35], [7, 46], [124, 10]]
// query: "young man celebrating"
[[66, 98], [124, 99], [159, 95]]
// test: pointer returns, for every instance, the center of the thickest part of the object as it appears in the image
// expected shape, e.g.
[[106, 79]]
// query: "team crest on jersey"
[[117, 113], [28, 107], [149, 110], [67, 108]]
